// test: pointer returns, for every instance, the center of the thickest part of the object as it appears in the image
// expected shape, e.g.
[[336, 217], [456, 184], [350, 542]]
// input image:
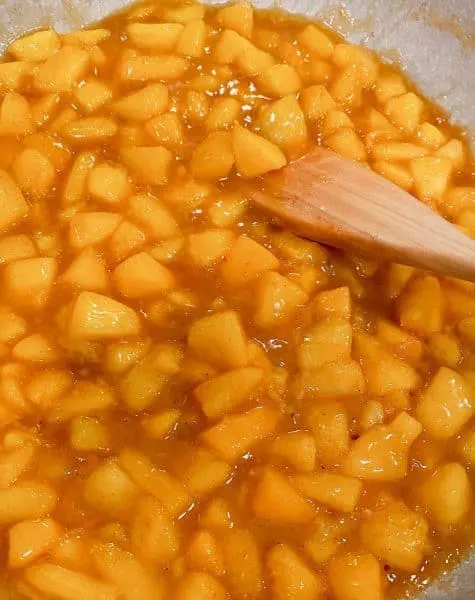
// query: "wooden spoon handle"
[[343, 204]]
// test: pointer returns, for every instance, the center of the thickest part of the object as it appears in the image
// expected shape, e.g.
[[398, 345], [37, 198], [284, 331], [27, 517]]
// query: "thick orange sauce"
[[223, 495]]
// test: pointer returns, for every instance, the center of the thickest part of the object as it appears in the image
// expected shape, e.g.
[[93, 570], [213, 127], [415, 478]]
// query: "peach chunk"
[[233, 436], [227, 392], [98, 317], [89, 228], [141, 276], [275, 500], [13, 206], [254, 155], [29, 282], [30, 539], [15, 115], [381, 453], [62, 70], [87, 272], [219, 339], [246, 261], [292, 578]]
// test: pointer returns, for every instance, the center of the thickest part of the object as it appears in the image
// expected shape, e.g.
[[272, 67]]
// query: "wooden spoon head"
[[330, 199]]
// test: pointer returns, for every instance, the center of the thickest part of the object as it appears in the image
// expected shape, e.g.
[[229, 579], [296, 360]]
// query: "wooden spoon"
[[330, 199]]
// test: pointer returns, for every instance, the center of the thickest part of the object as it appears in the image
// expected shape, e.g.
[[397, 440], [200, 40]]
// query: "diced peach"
[[28, 501], [336, 303], [141, 276], [219, 339], [30, 539], [15, 461], [227, 392], [210, 246], [455, 152], [88, 130], [291, 578], [446, 494], [283, 123], [90, 228], [61, 71], [204, 554], [345, 141], [14, 75], [153, 534], [316, 102], [253, 62], [36, 348], [87, 272], [297, 449], [316, 41], [421, 306], [353, 576], [279, 80], [56, 152], [75, 188], [65, 116], [97, 317], [110, 490], [168, 67], [65, 584], [243, 563], [213, 158], [150, 164], [144, 382], [446, 404], [125, 240], [144, 104], [328, 341], [396, 534], [88, 434], [166, 129], [92, 95], [12, 326], [328, 422], [108, 183], [233, 436], [86, 38], [204, 472], [29, 282], [382, 452], [223, 113], [16, 247], [164, 487], [229, 46], [120, 356], [45, 388], [15, 115], [192, 39], [13, 206], [277, 299], [339, 492], [275, 500], [160, 425], [85, 398], [405, 111], [199, 586], [246, 261], [254, 155], [333, 379], [238, 17], [150, 214], [122, 569], [34, 173], [383, 371]]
